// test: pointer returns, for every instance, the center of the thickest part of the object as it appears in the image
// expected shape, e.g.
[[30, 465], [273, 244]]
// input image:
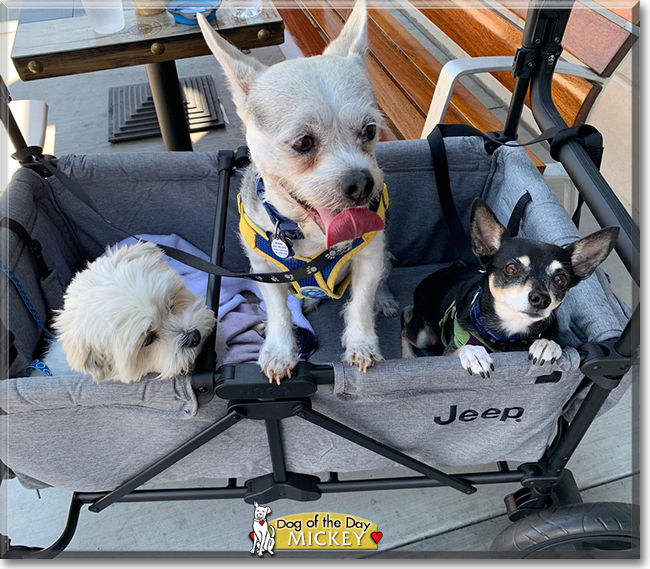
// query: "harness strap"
[[33, 246], [459, 336], [482, 335], [286, 227], [8, 350], [517, 213], [586, 135], [459, 238], [322, 282]]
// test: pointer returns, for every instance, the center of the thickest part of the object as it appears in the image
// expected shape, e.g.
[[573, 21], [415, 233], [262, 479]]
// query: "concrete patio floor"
[[423, 523]]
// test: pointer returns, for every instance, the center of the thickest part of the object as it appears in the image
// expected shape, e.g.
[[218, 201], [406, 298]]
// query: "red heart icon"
[[261, 522], [376, 535], [252, 535]]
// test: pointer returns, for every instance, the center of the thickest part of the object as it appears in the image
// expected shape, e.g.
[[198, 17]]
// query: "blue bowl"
[[185, 11]]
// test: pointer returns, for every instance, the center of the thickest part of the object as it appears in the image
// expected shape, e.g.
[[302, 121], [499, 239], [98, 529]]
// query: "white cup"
[[106, 16], [245, 9]]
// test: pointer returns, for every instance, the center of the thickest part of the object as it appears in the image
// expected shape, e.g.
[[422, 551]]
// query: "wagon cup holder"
[[245, 381]]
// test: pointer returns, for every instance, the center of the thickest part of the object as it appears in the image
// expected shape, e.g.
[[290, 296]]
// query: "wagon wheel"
[[592, 530]]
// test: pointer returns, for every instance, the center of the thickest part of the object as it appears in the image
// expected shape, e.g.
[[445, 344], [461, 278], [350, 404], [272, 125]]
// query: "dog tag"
[[280, 244], [281, 247]]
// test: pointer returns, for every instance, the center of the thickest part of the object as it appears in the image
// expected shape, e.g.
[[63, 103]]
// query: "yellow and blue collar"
[[321, 283]]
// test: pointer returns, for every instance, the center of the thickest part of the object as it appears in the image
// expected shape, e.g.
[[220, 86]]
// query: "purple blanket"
[[241, 310]]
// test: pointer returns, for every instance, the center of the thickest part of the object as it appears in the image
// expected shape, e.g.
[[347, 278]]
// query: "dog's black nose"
[[357, 184], [539, 299], [192, 339]]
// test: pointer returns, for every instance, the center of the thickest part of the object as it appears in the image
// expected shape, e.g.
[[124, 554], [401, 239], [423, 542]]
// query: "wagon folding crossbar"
[[251, 397]]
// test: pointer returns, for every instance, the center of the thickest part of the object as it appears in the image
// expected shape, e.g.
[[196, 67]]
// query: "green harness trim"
[[479, 335], [460, 337]]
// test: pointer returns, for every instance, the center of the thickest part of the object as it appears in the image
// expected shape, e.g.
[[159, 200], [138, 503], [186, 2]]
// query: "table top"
[[69, 45]]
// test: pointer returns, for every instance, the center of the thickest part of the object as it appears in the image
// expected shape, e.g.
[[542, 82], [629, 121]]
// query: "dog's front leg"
[[360, 339], [279, 353]]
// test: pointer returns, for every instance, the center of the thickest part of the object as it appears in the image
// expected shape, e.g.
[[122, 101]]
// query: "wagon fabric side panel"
[[69, 432], [28, 204]]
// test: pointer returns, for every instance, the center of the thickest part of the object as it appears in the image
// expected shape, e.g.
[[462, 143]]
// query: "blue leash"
[[28, 303], [40, 366], [36, 365]]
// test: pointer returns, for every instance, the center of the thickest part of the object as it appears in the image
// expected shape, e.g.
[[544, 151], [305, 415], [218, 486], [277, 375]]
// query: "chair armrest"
[[456, 68]]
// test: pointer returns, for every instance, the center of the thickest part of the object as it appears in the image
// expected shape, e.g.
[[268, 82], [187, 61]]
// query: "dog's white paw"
[[310, 304], [385, 302], [387, 306], [542, 351], [277, 360], [475, 360], [363, 354]]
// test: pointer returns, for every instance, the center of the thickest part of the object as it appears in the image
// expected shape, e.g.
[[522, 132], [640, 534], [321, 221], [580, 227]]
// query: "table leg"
[[170, 108]]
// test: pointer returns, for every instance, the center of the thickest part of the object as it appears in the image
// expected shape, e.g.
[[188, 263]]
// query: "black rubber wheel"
[[596, 530]]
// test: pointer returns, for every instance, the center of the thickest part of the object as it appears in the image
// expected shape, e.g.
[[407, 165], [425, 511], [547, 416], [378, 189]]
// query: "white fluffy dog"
[[128, 314]]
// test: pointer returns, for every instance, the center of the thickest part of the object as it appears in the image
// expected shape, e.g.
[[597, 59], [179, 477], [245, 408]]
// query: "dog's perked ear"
[[486, 232], [591, 251], [353, 39], [241, 70]]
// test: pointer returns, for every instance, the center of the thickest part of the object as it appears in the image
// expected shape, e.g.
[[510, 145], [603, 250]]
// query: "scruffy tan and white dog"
[[311, 127], [128, 314]]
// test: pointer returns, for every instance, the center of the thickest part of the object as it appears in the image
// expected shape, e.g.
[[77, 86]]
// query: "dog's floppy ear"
[[241, 70], [486, 231], [591, 251], [268, 510], [98, 367], [79, 353], [353, 39], [82, 358]]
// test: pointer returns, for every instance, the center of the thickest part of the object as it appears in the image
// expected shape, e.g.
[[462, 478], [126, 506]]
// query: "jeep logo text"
[[471, 415]]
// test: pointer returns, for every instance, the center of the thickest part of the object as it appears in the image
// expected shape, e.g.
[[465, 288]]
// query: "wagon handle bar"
[[8, 120], [592, 186]]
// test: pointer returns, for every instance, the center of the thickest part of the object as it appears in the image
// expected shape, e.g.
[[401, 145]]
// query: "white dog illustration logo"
[[263, 535]]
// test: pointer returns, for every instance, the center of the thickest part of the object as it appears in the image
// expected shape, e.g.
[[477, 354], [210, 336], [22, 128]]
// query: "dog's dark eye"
[[512, 269], [369, 132], [560, 280], [304, 144], [150, 339], [171, 307]]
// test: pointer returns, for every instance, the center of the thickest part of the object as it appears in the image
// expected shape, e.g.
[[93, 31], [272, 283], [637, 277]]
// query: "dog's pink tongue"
[[349, 224]]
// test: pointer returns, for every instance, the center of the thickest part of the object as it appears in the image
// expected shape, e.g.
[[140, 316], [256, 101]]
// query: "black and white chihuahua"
[[508, 306]]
